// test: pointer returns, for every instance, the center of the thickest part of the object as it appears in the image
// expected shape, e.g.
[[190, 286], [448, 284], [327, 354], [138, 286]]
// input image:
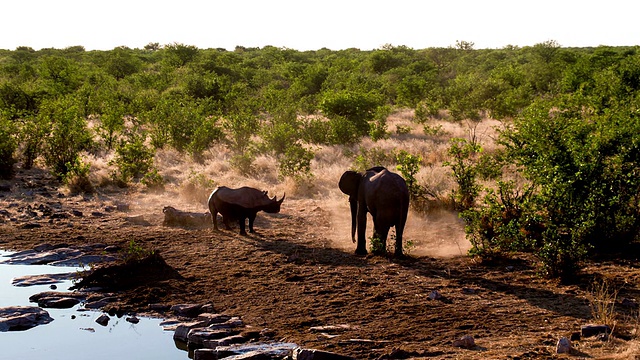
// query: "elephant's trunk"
[[354, 214]]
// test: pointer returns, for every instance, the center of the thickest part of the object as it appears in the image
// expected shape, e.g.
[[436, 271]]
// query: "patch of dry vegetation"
[[434, 230]]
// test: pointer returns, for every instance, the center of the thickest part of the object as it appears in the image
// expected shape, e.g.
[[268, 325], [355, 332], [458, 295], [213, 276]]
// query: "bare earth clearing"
[[293, 275]]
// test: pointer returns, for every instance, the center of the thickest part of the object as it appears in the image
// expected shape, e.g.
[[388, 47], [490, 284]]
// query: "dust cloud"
[[439, 234]]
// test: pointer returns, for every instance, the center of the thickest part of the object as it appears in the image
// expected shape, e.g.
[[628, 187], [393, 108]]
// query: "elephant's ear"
[[349, 183]]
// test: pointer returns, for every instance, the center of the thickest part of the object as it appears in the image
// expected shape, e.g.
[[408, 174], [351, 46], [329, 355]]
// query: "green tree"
[[178, 55], [67, 136], [354, 107], [8, 145], [121, 62]]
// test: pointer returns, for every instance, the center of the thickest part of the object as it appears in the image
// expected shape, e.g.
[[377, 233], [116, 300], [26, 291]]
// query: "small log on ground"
[[175, 217]]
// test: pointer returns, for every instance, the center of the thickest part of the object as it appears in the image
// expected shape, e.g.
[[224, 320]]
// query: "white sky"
[[311, 25]]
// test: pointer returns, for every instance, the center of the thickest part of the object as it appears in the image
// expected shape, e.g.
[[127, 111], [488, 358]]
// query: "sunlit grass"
[[436, 230]]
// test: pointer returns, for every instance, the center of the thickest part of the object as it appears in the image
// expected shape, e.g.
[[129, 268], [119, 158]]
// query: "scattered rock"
[[5, 188], [326, 328], [59, 215], [132, 319], [563, 346], [312, 354], [100, 302], [197, 337], [629, 303], [258, 351], [465, 342], [16, 318], [58, 302], [77, 213], [43, 279], [435, 295], [188, 310], [83, 260], [159, 307], [31, 226], [129, 275], [594, 330], [103, 319], [112, 248]]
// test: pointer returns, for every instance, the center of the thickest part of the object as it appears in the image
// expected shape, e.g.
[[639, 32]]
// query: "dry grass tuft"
[[602, 300]]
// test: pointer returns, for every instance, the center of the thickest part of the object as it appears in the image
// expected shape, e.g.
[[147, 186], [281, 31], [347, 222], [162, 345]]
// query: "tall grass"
[[436, 231]]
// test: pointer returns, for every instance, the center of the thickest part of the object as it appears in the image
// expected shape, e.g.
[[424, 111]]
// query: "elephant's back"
[[388, 190]]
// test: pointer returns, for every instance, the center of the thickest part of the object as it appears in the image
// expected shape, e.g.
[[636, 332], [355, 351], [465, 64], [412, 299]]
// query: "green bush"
[[68, 134], [316, 131], [204, 136], [32, 133], [342, 131], [508, 220], [16, 102], [77, 178], [243, 162], [582, 165], [408, 166], [357, 108], [463, 166], [296, 162], [8, 145], [133, 160], [111, 123], [241, 127], [368, 158]]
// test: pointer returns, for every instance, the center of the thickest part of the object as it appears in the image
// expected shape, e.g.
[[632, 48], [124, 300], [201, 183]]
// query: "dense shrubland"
[[561, 178]]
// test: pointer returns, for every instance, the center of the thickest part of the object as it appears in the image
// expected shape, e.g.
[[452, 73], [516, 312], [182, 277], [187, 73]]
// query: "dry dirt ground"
[[290, 277]]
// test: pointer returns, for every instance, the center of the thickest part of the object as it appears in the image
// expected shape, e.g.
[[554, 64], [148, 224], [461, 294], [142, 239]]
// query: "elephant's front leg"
[[399, 242], [361, 247]]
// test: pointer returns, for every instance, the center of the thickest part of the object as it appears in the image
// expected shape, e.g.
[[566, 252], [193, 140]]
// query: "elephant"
[[382, 193]]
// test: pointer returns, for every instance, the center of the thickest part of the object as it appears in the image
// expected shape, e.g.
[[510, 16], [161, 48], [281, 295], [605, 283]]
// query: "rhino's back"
[[244, 197]]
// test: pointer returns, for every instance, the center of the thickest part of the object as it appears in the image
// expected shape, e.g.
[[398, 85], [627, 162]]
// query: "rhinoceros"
[[240, 204]]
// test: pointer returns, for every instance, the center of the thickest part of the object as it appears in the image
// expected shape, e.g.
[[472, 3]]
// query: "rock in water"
[[16, 318]]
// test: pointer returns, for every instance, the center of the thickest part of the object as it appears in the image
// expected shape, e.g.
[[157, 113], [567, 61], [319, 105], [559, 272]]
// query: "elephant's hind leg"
[[381, 234]]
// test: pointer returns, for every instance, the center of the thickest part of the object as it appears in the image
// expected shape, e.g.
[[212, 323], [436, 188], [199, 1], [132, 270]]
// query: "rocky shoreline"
[[197, 328]]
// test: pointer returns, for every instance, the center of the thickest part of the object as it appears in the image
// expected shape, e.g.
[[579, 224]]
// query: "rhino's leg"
[[214, 218], [225, 220], [242, 226], [252, 217]]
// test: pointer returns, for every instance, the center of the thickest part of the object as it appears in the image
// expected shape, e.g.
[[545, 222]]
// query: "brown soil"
[[291, 276]]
